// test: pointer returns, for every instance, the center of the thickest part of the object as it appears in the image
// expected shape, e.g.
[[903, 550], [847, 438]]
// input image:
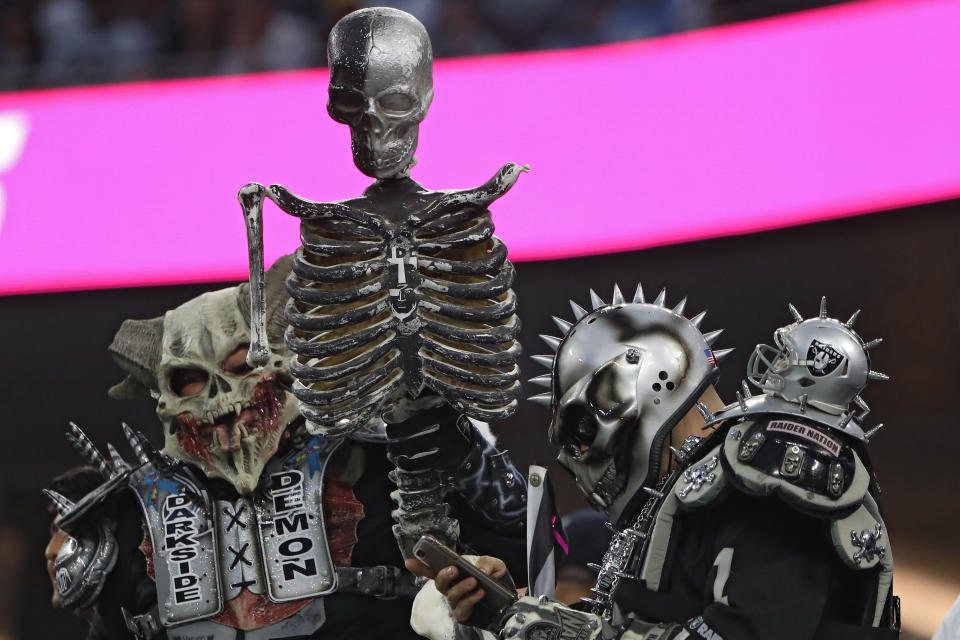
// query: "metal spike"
[[876, 375], [697, 319], [864, 407], [118, 462], [543, 398], [803, 403], [720, 355], [746, 389], [81, 441], [552, 342], [680, 307], [594, 566], [543, 381], [796, 314], [873, 343], [596, 301], [617, 295], [704, 411], [677, 453], [578, 311], [845, 419], [546, 361], [653, 492], [870, 435], [823, 307], [741, 401], [609, 526], [661, 297], [712, 336], [638, 294], [61, 502], [562, 324], [134, 443], [853, 319]]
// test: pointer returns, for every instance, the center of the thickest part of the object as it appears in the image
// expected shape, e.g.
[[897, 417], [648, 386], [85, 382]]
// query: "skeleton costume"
[[246, 525], [402, 293], [767, 527]]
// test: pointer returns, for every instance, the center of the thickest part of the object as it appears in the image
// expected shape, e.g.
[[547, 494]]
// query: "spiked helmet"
[[623, 375]]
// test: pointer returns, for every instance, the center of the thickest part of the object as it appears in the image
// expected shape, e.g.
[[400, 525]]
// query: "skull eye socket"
[[395, 103], [188, 382], [346, 100], [236, 363]]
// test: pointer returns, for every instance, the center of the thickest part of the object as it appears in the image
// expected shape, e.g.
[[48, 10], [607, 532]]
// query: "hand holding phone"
[[496, 596]]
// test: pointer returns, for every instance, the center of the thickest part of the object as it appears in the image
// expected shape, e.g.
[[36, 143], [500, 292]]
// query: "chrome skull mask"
[[217, 413], [623, 376], [381, 85]]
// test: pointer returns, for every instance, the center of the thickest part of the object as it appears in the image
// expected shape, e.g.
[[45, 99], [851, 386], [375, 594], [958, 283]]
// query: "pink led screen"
[[754, 126]]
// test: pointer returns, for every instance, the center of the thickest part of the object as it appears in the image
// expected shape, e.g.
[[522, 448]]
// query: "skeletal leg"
[[251, 199]]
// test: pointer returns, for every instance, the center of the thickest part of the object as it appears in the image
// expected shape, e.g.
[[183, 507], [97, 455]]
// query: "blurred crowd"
[[47, 43]]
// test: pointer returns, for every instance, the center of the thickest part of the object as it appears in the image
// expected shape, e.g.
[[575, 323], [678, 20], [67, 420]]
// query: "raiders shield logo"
[[822, 359]]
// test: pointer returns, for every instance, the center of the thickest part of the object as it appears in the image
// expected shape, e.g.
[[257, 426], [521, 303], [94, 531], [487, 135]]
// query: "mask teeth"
[[793, 312], [661, 297], [617, 295], [578, 311], [596, 301], [853, 319]]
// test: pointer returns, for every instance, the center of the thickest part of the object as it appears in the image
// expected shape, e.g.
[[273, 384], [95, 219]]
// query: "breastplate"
[[272, 542]]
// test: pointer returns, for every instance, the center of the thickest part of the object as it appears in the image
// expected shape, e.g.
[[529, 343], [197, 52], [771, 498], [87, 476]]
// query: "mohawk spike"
[[853, 319], [697, 319], [823, 307], [118, 462], [61, 502], [661, 298], [746, 389], [876, 375], [712, 336], [705, 412], [679, 309], [873, 343], [543, 381], [870, 435], [617, 295], [578, 311], [543, 398], [638, 294], [793, 312], [546, 361], [82, 443], [552, 342], [596, 301], [562, 324], [133, 439], [720, 355]]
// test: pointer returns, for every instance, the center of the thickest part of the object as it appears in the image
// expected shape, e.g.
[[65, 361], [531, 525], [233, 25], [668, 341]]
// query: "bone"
[[251, 200]]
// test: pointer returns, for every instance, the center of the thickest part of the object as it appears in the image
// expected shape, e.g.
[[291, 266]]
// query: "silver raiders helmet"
[[819, 362], [623, 376]]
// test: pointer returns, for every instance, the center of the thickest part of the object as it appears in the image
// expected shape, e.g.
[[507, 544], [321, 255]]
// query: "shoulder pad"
[[801, 462], [83, 563]]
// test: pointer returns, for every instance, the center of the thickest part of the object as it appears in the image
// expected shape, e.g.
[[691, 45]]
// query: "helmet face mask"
[[622, 377]]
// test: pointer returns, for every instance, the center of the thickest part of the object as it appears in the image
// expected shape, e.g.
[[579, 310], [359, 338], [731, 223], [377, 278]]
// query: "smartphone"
[[437, 556]]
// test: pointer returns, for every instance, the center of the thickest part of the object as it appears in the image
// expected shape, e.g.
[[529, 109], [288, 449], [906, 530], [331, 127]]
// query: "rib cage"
[[399, 290]]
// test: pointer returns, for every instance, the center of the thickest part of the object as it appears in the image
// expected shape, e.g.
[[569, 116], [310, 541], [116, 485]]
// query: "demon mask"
[[381, 85]]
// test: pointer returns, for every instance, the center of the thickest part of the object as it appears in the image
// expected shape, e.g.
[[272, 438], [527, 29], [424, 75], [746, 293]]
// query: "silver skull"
[[381, 85], [217, 412]]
